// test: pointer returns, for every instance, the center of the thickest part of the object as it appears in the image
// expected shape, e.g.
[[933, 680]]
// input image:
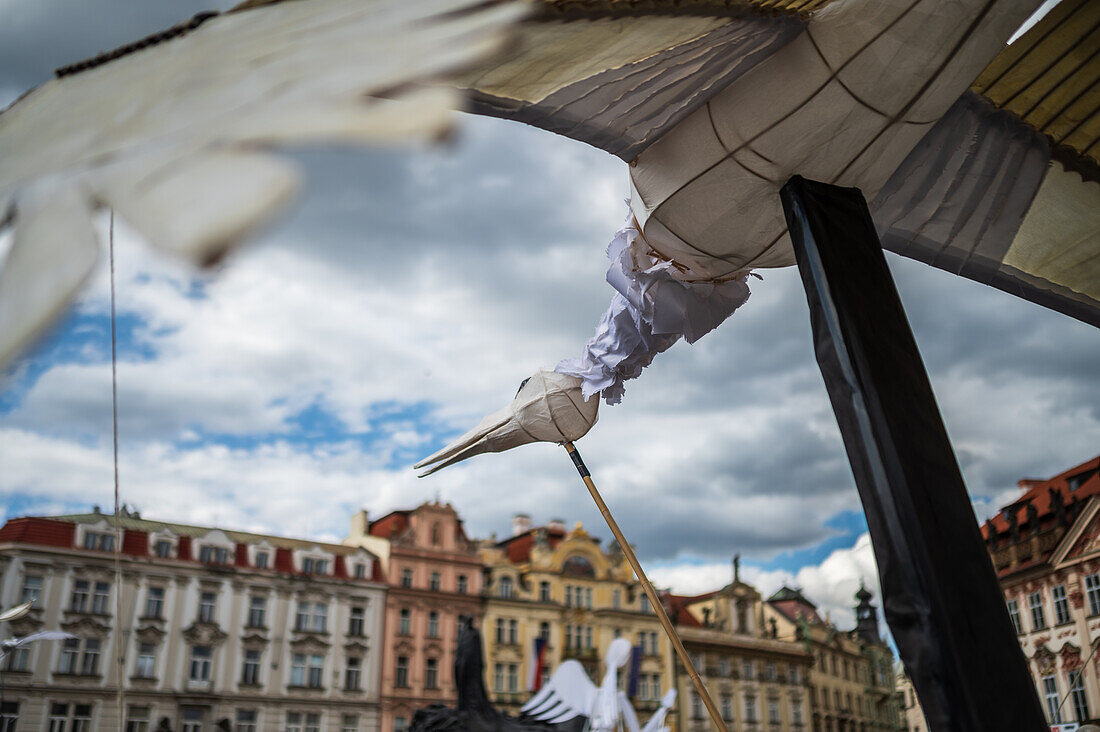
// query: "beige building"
[[261, 632], [563, 586], [1045, 548], [758, 683], [911, 712], [852, 685]]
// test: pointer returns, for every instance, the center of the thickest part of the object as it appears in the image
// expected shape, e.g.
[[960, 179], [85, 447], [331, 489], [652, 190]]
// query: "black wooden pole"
[[941, 598]]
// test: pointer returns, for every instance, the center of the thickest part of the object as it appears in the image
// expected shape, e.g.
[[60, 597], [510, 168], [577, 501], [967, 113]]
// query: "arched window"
[[578, 566]]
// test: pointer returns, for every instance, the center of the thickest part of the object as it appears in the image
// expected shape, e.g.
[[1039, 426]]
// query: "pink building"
[[434, 578]]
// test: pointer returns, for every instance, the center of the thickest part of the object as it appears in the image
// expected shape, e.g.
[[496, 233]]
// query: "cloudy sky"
[[409, 292]]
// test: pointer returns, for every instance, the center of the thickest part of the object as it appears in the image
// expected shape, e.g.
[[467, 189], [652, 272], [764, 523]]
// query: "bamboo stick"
[[654, 601]]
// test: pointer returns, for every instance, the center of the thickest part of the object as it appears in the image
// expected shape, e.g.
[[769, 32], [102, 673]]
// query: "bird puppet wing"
[[977, 157], [569, 693], [175, 131], [9, 645], [656, 723]]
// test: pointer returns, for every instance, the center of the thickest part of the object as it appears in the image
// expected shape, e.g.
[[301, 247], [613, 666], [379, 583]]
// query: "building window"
[[163, 549], [436, 535], [349, 723], [1050, 696], [1035, 603], [137, 719], [404, 622], [257, 610], [32, 588], [1092, 588], [101, 598], [696, 706], [544, 591], [1061, 607], [513, 677], [262, 559], [360, 573], [568, 596], [78, 600], [9, 716], [770, 673], [80, 721], [99, 541], [207, 606], [1077, 694], [433, 582], [748, 669], [1014, 615], [306, 670], [750, 708], [356, 622], [506, 588], [145, 666], [727, 707], [513, 632], [433, 624], [773, 711], [353, 673], [78, 659], [794, 676], [19, 659], [400, 724], [431, 673], [643, 603], [462, 584], [201, 657], [250, 668], [796, 710], [154, 602], [544, 631], [303, 722], [402, 680], [192, 719], [213, 555], [311, 616], [246, 720], [316, 670], [314, 566], [406, 578], [617, 599]]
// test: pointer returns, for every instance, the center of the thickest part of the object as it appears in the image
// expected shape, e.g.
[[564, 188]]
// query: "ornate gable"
[[1082, 541]]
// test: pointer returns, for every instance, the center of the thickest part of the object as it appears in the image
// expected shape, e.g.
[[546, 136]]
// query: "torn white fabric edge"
[[653, 307]]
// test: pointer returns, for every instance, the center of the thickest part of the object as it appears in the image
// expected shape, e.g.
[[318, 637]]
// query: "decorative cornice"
[[205, 634]]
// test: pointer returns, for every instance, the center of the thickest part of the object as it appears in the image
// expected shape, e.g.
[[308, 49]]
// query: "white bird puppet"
[[11, 644], [569, 693], [656, 723], [175, 132], [548, 407]]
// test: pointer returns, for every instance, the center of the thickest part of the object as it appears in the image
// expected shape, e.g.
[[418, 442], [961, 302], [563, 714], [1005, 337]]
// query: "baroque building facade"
[[434, 578], [851, 681], [217, 626], [911, 712], [1045, 547], [758, 682], [563, 587]]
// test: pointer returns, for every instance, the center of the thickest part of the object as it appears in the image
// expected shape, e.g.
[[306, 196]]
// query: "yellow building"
[[852, 684], [757, 682], [563, 586]]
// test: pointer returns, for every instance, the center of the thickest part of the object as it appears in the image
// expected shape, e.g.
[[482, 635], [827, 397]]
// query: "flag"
[[538, 662], [635, 667]]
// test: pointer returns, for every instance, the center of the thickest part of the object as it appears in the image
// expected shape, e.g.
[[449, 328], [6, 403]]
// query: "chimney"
[[556, 525], [360, 523], [521, 524]]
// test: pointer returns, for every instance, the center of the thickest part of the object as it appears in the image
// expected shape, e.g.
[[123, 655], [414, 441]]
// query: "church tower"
[[866, 617]]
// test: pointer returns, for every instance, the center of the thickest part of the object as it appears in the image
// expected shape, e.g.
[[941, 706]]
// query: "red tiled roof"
[[35, 530], [794, 610], [518, 547], [1038, 492], [390, 525], [135, 543], [677, 608]]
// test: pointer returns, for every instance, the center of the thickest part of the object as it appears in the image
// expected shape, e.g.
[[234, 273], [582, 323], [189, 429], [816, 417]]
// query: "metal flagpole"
[[654, 601]]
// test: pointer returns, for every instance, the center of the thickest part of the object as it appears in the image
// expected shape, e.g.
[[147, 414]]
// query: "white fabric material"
[[569, 693], [178, 136], [652, 309], [843, 103], [547, 408], [656, 723]]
